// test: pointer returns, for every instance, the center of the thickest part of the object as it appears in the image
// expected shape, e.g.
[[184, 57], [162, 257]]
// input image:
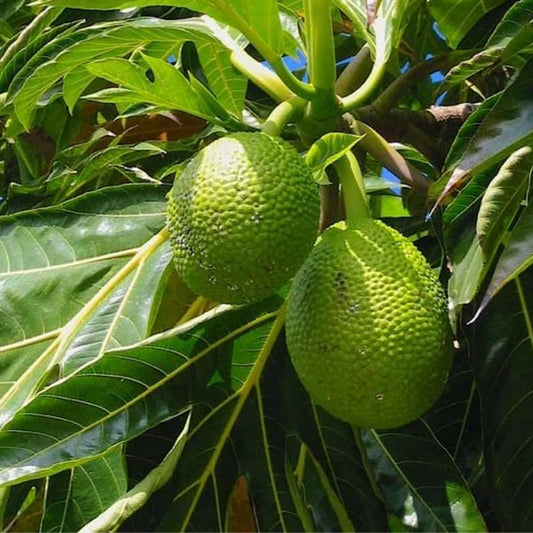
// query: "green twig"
[[525, 310], [380, 149], [4, 498]]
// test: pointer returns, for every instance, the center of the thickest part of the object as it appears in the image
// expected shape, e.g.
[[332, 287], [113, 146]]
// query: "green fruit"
[[367, 326], [242, 217]]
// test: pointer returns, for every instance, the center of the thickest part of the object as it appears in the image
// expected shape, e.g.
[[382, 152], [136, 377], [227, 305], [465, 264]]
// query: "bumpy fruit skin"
[[242, 217], [367, 326]]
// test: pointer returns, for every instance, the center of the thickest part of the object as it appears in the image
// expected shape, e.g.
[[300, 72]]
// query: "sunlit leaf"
[[468, 268], [108, 40], [326, 150], [260, 18], [170, 89], [27, 43], [63, 256], [124, 393], [386, 29], [226, 82]]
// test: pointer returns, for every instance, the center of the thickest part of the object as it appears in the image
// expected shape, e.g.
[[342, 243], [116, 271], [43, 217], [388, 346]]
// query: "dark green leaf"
[[468, 200], [126, 505], [334, 446], [97, 163], [515, 258], [420, 480], [456, 17], [515, 29], [9, 7], [506, 126], [77, 495], [502, 200], [511, 36], [209, 465], [503, 363], [467, 68], [126, 392]]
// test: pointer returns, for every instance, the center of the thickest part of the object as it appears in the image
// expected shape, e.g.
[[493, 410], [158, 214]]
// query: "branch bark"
[[431, 131]]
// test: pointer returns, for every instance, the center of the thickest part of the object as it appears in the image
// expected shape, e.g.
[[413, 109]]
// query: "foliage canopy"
[[126, 402]]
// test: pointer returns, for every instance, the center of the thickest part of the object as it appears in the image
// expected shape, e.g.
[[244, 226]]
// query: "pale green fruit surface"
[[242, 217], [367, 326]]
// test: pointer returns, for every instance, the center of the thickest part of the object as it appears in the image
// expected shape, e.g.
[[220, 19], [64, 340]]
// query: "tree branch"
[[396, 90], [431, 131]]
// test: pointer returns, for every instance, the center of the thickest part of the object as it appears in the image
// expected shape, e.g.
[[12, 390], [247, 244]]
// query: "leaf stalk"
[[321, 57], [282, 114]]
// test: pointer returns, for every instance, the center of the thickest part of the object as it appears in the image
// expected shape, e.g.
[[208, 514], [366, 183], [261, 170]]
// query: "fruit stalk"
[[353, 188]]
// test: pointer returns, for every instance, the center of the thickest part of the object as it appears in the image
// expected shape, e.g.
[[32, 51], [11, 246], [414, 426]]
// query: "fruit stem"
[[281, 114], [353, 188], [195, 309]]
